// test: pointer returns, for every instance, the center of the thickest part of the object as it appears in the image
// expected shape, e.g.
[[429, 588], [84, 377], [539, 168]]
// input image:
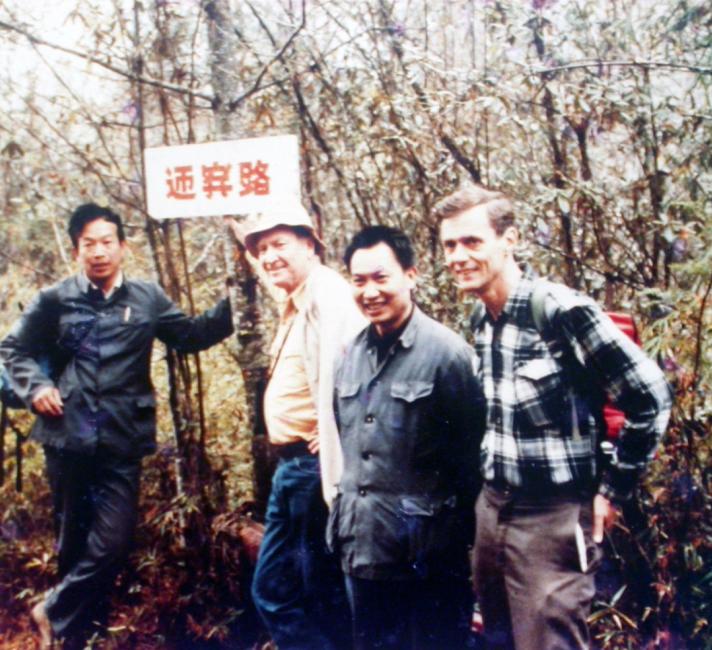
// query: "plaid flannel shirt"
[[541, 434]]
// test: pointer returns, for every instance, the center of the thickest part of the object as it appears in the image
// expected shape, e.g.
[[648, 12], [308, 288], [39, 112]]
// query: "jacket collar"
[[299, 298], [479, 311], [407, 337], [86, 285]]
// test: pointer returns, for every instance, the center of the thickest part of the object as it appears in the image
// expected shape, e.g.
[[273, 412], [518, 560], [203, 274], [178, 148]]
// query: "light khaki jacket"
[[327, 322]]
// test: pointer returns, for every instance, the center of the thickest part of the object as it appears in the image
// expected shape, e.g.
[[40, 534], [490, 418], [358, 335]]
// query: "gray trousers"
[[533, 568], [95, 500]]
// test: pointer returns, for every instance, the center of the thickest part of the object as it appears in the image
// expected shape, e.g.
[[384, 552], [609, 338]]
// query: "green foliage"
[[186, 579], [663, 550], [27, 566]]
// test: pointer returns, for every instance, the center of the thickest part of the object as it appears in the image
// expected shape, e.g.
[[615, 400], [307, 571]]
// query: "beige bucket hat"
[[291, 216]]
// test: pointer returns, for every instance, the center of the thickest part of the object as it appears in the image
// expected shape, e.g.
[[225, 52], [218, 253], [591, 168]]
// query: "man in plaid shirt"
[[546, 500]]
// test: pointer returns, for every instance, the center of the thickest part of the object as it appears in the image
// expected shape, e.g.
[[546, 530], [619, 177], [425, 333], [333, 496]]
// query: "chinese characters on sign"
[[254, 179], [232, 177], [180, 186]]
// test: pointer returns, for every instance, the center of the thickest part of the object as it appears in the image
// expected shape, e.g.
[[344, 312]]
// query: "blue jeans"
[[298, 587]]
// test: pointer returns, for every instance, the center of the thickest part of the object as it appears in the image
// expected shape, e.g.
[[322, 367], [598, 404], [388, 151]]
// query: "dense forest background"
[[594, 115]]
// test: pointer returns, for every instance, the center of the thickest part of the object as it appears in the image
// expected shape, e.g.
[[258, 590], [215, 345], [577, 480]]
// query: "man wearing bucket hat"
[[298, 588]]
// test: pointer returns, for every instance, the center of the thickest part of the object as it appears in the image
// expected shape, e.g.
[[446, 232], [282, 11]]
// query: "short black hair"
[[89, 212], [395, 239]]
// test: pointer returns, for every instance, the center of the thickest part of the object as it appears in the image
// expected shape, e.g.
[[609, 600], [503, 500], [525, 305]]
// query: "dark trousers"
[[432, 614], [298, 587], [95, 501], [533, 568], [429, 614]]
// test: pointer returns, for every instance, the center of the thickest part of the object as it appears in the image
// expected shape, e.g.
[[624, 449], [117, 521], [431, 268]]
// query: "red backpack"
[[614, 418]]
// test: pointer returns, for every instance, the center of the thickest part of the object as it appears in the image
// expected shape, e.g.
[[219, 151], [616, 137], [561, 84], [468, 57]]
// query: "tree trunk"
[[245, 296], [559, 162]]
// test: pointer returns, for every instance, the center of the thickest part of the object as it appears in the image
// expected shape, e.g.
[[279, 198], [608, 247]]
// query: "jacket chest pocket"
[[74, 328], [411, 401], [541, 395], [128, 326], [347, 403]]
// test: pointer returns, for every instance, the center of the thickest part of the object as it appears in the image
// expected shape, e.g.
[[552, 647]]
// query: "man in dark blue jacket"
[[410, 416], [96, 416]]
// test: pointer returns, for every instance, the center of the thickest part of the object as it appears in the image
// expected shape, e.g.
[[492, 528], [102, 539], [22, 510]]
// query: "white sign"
[[216, 178]]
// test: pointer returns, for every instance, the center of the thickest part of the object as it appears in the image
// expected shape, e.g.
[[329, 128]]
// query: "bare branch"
[[574, 65], [611, 276], [29, 267], [699, 339], [92, 59], [277, 57]]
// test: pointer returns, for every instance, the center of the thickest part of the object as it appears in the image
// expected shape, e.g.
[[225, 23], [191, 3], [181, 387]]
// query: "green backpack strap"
[[546, 303], [543, 315], [537, 303], [544, 307]]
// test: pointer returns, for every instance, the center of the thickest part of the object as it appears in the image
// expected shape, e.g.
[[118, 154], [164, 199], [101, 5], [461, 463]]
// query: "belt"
[[291, 450], [540, 494]]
